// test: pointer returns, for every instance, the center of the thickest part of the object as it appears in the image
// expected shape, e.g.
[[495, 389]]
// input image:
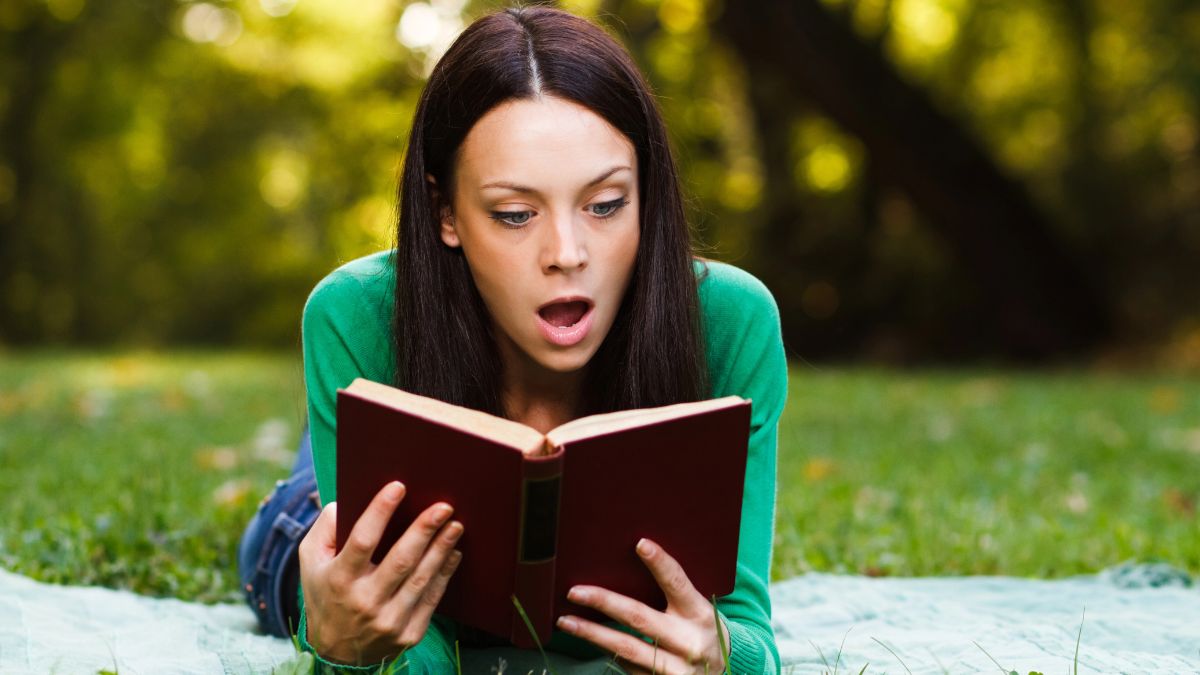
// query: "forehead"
[[542, 141]]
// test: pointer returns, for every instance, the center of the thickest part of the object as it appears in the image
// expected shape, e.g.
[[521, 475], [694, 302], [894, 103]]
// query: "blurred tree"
[[185, 171], [1032, 298], [913, 178]]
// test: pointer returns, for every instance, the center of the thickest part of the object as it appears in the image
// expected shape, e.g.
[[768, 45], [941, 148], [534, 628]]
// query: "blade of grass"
[[720, 634], [612, 665], [1002, 670], [821, 654], [938, 661], [294, 634], [529, 627], [116, 669], [389, 665], [902, 663], [838, 660], [1078, 638]]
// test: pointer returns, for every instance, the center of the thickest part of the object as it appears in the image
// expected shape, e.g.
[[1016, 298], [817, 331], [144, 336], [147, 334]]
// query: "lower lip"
[[568, 336]]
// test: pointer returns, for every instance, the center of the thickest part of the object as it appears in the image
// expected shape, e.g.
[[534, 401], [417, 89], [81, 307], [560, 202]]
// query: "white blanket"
[[931, 624], [73, 629]]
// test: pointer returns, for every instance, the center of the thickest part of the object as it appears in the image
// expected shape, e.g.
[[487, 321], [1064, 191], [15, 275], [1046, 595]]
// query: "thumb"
[[321, 541]]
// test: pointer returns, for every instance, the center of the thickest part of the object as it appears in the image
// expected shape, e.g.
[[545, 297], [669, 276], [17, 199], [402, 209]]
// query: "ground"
[[138, 470]]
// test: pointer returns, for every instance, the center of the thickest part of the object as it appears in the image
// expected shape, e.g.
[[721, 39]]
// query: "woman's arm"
[[345, 334], [756, 369]]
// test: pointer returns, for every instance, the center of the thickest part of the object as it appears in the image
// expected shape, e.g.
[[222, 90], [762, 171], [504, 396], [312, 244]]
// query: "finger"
[[652, 657], [405, 555], [320, 543], [638, 616], [423, 612], [364, 537], [680, 592], [407, 579]]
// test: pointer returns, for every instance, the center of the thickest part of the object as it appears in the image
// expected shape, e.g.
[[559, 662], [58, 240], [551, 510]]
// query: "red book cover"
[[544, 513]]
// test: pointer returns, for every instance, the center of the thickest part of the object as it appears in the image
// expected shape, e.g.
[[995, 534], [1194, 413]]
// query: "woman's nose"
[[565, 249]]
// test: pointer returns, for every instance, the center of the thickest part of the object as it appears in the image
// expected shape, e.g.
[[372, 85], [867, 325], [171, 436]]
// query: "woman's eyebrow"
[[525, 189]]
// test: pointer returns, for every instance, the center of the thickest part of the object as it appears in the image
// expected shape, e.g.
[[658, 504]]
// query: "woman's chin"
[[567, 361]]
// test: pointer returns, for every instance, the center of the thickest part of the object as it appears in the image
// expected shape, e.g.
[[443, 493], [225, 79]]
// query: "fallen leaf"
[[818, 468], [1187, 440], [1179, 502], [231, 493], [220, 458], [1164, 400], [1077, 502]]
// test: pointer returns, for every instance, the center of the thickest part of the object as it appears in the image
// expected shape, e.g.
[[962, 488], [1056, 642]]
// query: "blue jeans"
[[268, 564]]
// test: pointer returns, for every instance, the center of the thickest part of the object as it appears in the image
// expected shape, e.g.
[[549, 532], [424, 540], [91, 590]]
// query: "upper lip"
[[568, 298]]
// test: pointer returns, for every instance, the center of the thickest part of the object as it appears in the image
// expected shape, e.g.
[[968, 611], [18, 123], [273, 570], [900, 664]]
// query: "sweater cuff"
[[748, 654], [324, 667]]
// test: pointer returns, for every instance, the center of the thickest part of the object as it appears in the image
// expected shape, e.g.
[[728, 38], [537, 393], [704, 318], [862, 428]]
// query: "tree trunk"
[[1039, 301]]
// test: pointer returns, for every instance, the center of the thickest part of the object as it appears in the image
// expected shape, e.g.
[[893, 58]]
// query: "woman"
[[542, 272]]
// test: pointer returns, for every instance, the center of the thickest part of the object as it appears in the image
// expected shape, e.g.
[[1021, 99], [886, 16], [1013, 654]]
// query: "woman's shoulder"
[[742, 333], [350, 310], [730, 293], [365, 282]]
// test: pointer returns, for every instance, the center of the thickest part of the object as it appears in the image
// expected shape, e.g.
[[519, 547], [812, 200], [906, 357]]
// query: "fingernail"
[[454, 530], [568, 624], [577, 594], [441, 513], [645, 548], [394, 489]]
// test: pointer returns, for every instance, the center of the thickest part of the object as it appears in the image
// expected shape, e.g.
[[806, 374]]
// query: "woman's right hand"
[[360, 613]]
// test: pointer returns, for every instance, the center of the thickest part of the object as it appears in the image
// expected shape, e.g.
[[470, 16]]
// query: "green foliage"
[[301, 664], [185, 171], [177, 188]]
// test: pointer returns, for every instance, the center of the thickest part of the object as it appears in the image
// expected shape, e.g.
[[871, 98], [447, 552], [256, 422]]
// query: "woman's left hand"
[[686, 633]]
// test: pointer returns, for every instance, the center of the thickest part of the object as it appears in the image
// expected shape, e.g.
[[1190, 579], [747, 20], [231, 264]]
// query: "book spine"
[[537, 548]]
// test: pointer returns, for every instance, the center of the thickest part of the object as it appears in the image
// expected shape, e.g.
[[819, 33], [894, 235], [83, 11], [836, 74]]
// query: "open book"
[[543, 513]]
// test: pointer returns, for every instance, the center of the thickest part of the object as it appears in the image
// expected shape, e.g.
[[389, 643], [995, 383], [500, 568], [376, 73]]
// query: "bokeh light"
[[277, 8], [204, 22], [430, 28]]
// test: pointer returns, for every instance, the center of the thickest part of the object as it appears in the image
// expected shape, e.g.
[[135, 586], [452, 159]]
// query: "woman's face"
[[545, 208]]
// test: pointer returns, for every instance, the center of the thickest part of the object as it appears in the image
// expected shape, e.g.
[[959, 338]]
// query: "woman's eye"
[[512, 217], [607, 209]]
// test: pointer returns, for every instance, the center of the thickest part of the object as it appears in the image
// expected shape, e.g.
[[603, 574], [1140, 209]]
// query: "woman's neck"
[[535, 396]]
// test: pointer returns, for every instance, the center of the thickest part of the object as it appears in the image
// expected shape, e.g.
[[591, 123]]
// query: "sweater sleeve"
[[747, 359], [345, 331]]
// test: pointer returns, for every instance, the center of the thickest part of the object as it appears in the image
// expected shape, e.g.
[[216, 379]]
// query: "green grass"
[[948, 473], [139, 470]]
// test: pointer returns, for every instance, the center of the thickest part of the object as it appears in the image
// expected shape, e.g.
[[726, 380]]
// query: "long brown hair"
[[654, 352]]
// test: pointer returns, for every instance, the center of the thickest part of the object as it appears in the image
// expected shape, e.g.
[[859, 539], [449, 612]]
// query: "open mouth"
[[564, 314]]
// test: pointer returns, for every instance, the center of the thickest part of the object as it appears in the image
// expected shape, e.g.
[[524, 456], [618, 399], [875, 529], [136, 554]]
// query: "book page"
[[503, 431], [593, 425]]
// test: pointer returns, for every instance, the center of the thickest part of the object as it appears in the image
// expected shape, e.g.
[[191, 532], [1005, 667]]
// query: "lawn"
[[139, 470]]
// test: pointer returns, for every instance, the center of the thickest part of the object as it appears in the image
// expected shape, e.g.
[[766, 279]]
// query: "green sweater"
[[346, 334]]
